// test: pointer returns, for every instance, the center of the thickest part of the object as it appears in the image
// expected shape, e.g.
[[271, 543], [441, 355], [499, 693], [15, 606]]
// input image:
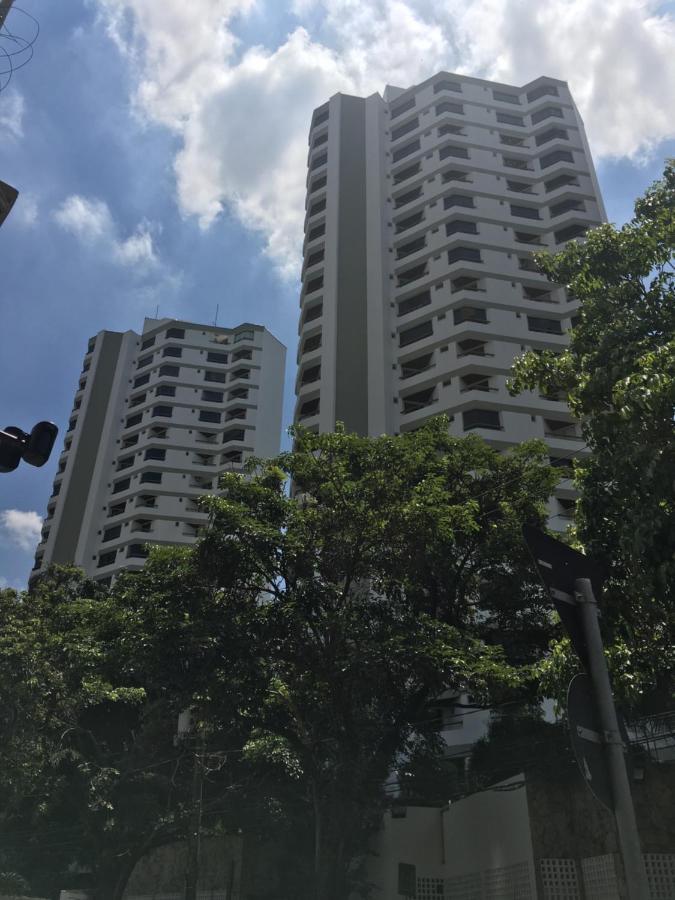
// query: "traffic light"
[[35, 448]]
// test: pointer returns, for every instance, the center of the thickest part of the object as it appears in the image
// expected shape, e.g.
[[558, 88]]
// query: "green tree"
[[618, 374], [394, 569]]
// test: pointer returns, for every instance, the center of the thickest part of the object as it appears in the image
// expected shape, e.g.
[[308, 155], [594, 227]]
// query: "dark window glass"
[[458, 200], [219, 377], [470, 314], [167, 369], [551, 135], [557, 156], [412, 274], [545, 326], [213, 396], [312, 343], [141, 380], [133, 420], [107, 559], [319, 160], [151, 478], [451, 150], [213, 356], [417, 333], [397, 109], [469, 254], [411, 247], [480, 418], [313, 373], [309, 408], [320, 118], [409, 221], [547, 113], [314, 285], [408, 172], [447, 106], [172, 351], [166, 390], [155, 453], [568, 234], [567, 206], [207, 415], [233, 434], [111, 533], [509, 119], [313, 312], [561, 181], [121, 485], [175, 333], [144, 361], [542, 91], [412, 303], [318, 183], [408, 197], [397, 133], [447, 85], [458, 226], [317, 207], [525, 212], [316, 232], [148, 342], [418, 400], [402, 152], [503, 97], [166, 411]]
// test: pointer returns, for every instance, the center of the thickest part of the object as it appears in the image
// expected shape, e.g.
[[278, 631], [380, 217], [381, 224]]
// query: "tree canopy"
[[618, 374]]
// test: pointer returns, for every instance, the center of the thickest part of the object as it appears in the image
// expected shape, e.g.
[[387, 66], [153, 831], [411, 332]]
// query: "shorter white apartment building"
[[157, 418]]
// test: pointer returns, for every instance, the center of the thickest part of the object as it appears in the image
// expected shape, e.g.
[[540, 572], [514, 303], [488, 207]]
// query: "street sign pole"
[[624, 812]]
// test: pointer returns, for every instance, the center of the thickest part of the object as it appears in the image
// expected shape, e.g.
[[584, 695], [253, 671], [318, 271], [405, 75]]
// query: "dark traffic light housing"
[[34, 448]]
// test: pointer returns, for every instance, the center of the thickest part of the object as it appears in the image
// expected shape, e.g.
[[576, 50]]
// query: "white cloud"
[[90, 220], [21, 527], [242, 113], [25, 210], [11, 112]]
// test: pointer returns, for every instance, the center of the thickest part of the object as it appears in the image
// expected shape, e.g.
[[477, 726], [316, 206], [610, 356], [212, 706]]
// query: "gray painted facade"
[[157, 417], [423, 209]]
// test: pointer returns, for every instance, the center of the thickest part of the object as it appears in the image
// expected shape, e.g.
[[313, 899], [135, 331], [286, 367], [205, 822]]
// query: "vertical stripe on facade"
[[351, 376]]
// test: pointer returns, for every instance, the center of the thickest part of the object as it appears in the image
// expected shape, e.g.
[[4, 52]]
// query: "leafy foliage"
[[619, 376]]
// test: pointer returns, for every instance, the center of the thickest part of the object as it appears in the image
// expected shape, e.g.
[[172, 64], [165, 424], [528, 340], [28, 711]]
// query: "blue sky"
[[159, 152]]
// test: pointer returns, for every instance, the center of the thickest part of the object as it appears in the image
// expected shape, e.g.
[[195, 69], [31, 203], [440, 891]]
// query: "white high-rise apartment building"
[[157, 417], [423, 209]]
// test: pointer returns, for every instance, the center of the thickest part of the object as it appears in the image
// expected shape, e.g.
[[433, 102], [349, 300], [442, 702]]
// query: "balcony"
[[415, 402]]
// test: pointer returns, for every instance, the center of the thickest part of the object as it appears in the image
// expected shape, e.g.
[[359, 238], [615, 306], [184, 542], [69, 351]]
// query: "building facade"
[[418, 286], [157, 417]]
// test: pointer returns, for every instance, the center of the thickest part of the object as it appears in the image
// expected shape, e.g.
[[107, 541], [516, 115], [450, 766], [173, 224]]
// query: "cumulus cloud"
[[11, 113], [21, 527], [90, 220], [242, 113]]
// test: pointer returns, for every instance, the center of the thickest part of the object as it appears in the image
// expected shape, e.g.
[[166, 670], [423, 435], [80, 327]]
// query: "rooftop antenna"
[[215, 320], [157, 311]]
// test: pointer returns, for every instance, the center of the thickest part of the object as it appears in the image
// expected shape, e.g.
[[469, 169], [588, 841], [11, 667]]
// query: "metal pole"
[[624, 812]]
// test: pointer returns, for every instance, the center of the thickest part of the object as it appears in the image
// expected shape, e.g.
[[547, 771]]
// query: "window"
[[415, 302], [157, 431], [508, 119], [480, 418], [560, 428], [213, 357], [547, 113], [125, 463], [137, 399], [155, 453], [178, 333], [318, 183], [220, 377], [319, 160], [56, 489], [141, 525], [414, 366], [91, 345], [137, 551], [148, 501], [165, 390], [512, 141], [551, 135], [471, 347], [539, 295], [475, 382], [133, 420], [416, 333], [408, 172], [238, 413], [561, 181], [234, 434], [166, 411], [567, 206], [207, 415], [319, 140], [311, 343], [514, 162], [568, 234], [454, 175], [519, 187], [144, 361], [171, 371], [121, 485], [469, 254], [411, 247], [525, 212], [310, 375], [409, 221], [309, 408], [419, 400], [398, 109], [151, 478], [446, 85], [544, 326], [320, 118], [117, 509], [460, 226], [557, 156], [408, 197], [314, 285], [244, 374], [142, 379], [413, 274], [317, 207], [503, 97], [212, 396], [458, 200], [72, 424], [148, 342], [172, 351], [524, 237], [111, 533], [446, 106], [316, 232], [542, 91], [404, 129], [315, 258], [106, 559], [450, 129], [243, 353], [465, 283], [452, 150], [470, 314], [567, 507], [313, 312], [239, 393], [402, 152]]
